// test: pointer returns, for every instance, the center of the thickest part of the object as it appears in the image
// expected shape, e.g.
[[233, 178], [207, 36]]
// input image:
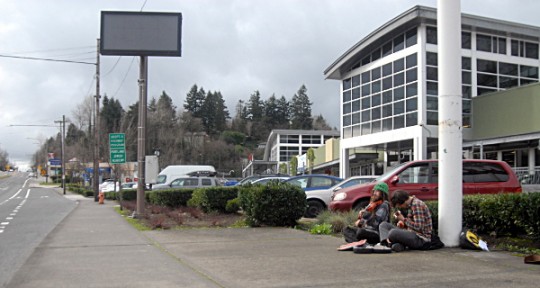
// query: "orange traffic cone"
[[101, 197]]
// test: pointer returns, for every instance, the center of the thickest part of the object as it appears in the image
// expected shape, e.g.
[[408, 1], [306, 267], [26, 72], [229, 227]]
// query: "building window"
[[466, 40], [524, 49], [400, 42], [379, 88], [431, 35], [293, 139], [492, 44]]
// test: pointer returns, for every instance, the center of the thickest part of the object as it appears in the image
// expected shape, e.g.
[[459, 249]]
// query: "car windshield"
[[387, 175], [161, 179]]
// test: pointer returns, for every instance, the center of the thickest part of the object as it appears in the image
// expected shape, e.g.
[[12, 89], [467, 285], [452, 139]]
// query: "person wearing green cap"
[[369, 218]]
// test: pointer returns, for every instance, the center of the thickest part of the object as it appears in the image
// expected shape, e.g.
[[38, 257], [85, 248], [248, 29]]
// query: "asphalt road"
[[27, 214]]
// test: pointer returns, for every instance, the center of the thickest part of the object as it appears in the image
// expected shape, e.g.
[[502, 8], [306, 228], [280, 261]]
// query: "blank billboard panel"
[[140, 33]]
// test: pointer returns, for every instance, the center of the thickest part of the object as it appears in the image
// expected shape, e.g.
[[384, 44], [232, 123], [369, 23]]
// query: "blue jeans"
[[394, 234]]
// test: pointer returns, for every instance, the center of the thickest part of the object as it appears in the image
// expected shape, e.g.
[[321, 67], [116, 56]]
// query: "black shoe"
[[398, 247]]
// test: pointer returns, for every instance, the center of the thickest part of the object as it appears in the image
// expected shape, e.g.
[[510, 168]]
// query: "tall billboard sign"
[[140, 33]]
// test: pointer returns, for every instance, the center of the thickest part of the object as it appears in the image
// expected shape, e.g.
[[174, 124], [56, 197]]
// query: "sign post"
[[117, 148]]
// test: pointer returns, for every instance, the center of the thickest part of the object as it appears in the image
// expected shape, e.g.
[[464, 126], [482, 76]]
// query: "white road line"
[[15, 195], [27, 193], [4, 223]]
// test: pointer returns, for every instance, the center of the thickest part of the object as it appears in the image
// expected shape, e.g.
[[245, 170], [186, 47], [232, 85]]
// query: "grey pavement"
[[96, 247]]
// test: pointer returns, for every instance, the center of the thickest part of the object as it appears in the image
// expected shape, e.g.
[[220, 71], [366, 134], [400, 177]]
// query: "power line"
[[51, 50], [125, 76], [45, 59]]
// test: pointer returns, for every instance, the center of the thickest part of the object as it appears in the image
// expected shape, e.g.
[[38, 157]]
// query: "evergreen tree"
[[215, 113], [301, 110], [255, 107], [195, 101], [319, 123], [283, 113], [111, 115]]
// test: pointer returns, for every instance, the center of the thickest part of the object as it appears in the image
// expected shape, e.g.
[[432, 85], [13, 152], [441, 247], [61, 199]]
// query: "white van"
[[167, 175]]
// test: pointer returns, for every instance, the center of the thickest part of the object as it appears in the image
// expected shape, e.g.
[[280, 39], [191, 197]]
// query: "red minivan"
[[420, 178]]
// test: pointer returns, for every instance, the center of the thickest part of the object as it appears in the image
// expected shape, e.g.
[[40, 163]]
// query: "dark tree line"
[[203, 132]]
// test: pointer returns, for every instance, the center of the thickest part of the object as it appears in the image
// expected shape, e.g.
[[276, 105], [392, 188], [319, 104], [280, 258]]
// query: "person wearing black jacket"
[[369, 218]]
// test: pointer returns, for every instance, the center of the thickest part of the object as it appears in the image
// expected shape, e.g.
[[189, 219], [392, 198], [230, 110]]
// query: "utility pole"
[[96, 131], [62, 136]]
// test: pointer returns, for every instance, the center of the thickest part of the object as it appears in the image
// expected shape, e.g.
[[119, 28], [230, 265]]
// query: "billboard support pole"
[[141, 136]]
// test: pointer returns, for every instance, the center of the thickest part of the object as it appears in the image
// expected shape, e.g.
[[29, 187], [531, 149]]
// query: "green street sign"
[[117, 148]]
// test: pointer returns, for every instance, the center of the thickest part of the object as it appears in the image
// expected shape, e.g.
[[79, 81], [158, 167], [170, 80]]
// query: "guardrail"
[[525, 176]]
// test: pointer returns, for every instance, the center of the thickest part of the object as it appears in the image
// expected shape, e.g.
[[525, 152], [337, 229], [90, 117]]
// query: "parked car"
[[314, 181], [188, 182], [319, 199], [129, 185], [420, 178], [109, 187], [266, 180], [252, 178]]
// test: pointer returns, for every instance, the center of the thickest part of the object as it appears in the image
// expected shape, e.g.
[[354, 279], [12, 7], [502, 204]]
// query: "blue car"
[[314, 181]]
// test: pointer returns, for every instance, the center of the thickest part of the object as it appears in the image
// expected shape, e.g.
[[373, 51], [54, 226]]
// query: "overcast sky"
[[235, 47]]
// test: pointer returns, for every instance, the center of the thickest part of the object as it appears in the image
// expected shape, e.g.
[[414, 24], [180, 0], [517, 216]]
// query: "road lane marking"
[[27, 193], [4, 223]]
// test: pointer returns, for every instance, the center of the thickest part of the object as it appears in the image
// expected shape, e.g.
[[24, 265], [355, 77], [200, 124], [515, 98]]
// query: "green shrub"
[[170, 197], [87, 192], [275, 204], [434, 209], [213, 198], [233, 205], [338, 220], [322, 229], [109, 195], [128, 195]]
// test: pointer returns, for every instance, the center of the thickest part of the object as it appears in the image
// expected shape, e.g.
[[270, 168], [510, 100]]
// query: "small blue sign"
[[55, 162]]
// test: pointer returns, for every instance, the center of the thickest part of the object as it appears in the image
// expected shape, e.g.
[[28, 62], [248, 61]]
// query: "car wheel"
[[361, 205], [314, 208]]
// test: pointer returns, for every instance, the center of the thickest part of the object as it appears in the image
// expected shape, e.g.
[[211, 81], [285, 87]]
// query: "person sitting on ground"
[[369, 218], [414, 230]]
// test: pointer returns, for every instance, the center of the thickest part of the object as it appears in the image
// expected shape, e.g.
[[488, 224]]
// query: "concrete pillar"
[[450, 121], [499, 155], [532, 160], [420, 147], [344, 168]]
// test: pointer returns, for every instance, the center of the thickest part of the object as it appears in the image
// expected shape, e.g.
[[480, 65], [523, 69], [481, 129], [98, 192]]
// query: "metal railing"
[[525, 176]]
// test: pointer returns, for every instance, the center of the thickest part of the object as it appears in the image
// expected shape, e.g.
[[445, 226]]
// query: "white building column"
[[532, 160], [344, 167], [499, 155], [420, 146]]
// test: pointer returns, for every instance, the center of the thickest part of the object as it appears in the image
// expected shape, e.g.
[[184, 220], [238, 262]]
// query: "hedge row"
[[213, 198], [274, 204], [503, 214]]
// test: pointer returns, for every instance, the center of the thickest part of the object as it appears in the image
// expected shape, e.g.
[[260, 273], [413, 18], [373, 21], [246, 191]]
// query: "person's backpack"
[[434, 244], [349, 234], [470, 240]]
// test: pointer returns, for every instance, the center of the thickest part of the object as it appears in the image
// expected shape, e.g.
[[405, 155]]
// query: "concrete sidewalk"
[[95, 247]]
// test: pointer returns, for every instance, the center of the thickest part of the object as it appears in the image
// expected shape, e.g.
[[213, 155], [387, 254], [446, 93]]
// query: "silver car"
[[187, 182], [318, 200]]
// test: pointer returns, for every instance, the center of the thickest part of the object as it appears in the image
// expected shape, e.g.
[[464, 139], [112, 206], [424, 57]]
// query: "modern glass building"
[[389, 80]]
